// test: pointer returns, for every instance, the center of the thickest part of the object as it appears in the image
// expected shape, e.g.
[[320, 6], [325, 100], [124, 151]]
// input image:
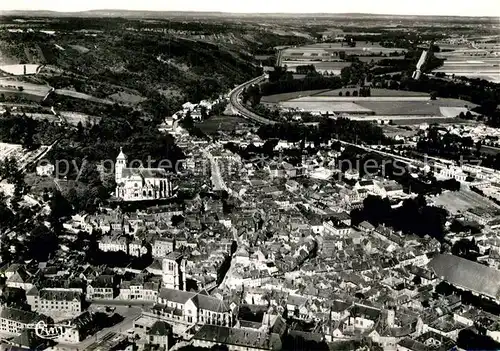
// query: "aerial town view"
[[196, 176]]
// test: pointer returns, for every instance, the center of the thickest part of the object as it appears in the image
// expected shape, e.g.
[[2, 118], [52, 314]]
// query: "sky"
[[401, 7]]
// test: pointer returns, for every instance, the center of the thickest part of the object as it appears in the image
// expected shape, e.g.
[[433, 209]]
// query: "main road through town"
[[215, 174]]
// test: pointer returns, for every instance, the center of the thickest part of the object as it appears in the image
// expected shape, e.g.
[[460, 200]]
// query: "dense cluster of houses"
[[279, 258]]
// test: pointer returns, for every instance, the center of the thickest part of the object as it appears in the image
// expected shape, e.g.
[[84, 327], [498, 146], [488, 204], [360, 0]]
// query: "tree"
[[204, 112], [89, 174], [469, 340], [417, 280], [80, 130], [176, 220], [7, 218], [466, 248], [59, 209], [41, 243], [254, 94]]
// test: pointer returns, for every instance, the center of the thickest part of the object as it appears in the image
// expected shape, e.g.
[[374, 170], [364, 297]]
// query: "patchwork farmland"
[[480, 61], [382, 104], [329, 57]]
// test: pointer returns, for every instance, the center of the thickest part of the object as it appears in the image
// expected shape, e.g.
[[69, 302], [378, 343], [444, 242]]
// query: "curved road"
[[234, 97]]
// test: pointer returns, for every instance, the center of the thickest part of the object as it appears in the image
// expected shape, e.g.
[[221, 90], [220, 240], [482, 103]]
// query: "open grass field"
[[83, 96], [379, 58], [221, 123], [418, 108], [13, 87], [462, 200], [382, 102], [463, 63], [126, 98], [490, 150], [25, 86], [409, 120], [288, 96], [326, 106], [80, 49], [335, 93], [20, 70], [392, 131], [74, 118]]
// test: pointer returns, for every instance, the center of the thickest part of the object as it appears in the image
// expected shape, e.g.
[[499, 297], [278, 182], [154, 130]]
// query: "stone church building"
[[139, 184]]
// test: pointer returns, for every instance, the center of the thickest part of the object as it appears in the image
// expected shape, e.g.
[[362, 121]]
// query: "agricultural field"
[[83, 96], [383, 103], [375, 92], [411, 105], [417, 108], [472, 63], [293, 95], [410, 120], [326, 106], [20, 70], [326, 57], [376, 59], [329, 50]]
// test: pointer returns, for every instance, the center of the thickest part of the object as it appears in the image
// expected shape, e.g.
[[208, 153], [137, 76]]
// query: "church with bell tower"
[[139, 184]]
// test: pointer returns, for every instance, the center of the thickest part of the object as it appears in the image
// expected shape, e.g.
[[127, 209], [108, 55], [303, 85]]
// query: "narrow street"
[[215, 175]]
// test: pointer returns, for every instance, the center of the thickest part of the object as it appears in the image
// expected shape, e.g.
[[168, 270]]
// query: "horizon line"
[[3, 12]]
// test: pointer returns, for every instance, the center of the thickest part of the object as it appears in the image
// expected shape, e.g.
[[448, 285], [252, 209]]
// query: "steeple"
[[121, 163], [121, 155]]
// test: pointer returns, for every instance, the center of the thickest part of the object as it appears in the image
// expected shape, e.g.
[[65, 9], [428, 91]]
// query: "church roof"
[[144, 172], [467, 274]]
